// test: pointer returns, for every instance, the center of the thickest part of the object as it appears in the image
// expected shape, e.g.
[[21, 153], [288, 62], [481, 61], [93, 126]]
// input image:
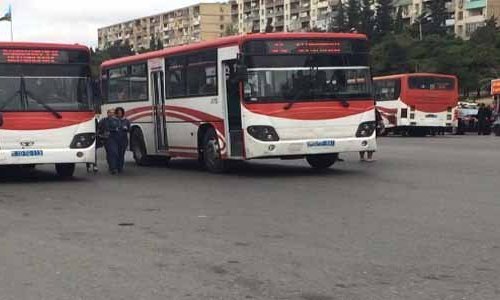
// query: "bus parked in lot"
[[417, 104], [46, 109], [279, 95]]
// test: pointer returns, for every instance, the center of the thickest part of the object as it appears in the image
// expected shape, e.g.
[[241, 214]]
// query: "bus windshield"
[[307, 84], [432, 83], [40, 93]]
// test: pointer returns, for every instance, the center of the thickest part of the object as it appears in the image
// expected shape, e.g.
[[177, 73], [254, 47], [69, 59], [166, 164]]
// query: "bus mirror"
[[241, 72], [1, 119]]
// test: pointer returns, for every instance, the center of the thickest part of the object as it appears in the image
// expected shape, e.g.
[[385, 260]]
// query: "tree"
[[487, 33], [353, 15], [152, 43], [231, 30], [367, 14], [398, 23], [437, 24], [269, 26], [116, 50], [383, 20], [338, 18], [159, 44]]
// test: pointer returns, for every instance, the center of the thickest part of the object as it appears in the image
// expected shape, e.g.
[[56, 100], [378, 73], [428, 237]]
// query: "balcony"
[[473, 4]]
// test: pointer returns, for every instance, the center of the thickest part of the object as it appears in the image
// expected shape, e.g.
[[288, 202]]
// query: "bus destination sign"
[[304, 47], [29, 56], [42, 56]]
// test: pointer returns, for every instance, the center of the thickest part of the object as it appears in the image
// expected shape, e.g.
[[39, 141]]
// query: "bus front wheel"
[[65, 170], [138, 148], [322, 161], [212, 158]]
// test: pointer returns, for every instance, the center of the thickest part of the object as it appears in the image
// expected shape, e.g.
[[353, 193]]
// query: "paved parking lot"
[[421, 223]]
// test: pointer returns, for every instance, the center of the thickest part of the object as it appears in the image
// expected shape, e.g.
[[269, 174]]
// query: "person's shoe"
[[371, 160]]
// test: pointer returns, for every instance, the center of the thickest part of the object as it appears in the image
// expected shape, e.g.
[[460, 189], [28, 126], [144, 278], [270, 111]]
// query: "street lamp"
[[420, 20]]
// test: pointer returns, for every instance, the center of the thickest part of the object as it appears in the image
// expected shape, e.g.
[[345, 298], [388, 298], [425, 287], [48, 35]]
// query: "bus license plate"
[[316, 144], [27, 153]]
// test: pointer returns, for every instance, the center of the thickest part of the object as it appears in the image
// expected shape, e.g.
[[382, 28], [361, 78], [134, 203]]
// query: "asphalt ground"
[[420, 223]]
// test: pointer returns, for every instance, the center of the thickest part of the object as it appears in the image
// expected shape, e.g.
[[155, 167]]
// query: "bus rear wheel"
[[212, 157], [322, 161], [138, 148], [65, 170]]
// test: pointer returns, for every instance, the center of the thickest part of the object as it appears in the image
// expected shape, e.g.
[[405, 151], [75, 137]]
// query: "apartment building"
[[281, 15], [472, 14], [191, 24], [463, 16]]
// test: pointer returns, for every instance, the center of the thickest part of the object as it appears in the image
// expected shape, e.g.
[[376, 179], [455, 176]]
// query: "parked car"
[[467, 120]]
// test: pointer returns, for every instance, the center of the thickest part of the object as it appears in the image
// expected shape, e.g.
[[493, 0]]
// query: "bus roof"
[[48, 46], [396, 76], [224, 42]]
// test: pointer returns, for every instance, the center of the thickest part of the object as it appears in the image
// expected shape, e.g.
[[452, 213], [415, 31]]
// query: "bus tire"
[[212, 157], [65, 170], [138, 148], [322, 161]]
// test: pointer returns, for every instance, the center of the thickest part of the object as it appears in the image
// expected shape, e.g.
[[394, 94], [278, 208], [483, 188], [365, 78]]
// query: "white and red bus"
[[417, 104], [46, 107], [280, 95]]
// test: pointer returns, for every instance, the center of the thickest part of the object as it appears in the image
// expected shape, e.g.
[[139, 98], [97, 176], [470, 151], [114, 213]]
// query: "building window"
[[472, 27]]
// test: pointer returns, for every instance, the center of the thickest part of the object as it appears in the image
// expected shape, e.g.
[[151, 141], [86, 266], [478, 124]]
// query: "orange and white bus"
[[279, 95], [417, 104], [46, 106]]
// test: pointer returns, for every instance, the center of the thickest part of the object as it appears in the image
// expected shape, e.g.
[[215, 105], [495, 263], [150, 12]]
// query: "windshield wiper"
[[44, 105]]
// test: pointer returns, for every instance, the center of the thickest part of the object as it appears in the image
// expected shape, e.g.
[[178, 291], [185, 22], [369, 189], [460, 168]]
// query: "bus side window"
[[202, 74], [176, 77]]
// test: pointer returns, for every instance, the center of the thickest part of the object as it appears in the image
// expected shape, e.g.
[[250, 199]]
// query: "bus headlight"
[[83, 140], [263, 133], [366, 129]]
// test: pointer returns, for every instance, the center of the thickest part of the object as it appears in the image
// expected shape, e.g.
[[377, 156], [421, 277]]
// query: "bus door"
[[233, 105], [157, 78]]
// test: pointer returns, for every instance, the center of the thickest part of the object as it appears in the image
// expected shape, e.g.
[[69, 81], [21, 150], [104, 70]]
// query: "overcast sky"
[[76, 21]]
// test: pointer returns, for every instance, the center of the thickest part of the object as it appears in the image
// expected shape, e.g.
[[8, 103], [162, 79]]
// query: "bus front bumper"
[[47, 156], [257, 149]]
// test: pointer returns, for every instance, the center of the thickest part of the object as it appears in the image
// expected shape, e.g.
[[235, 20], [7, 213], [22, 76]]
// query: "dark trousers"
[[112, 154], [116, 147], [122, 149], [483, 127]]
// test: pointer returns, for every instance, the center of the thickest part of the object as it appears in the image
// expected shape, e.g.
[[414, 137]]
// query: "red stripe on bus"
[[194, 113], [43, 120], [312, 111], [137, 110]]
